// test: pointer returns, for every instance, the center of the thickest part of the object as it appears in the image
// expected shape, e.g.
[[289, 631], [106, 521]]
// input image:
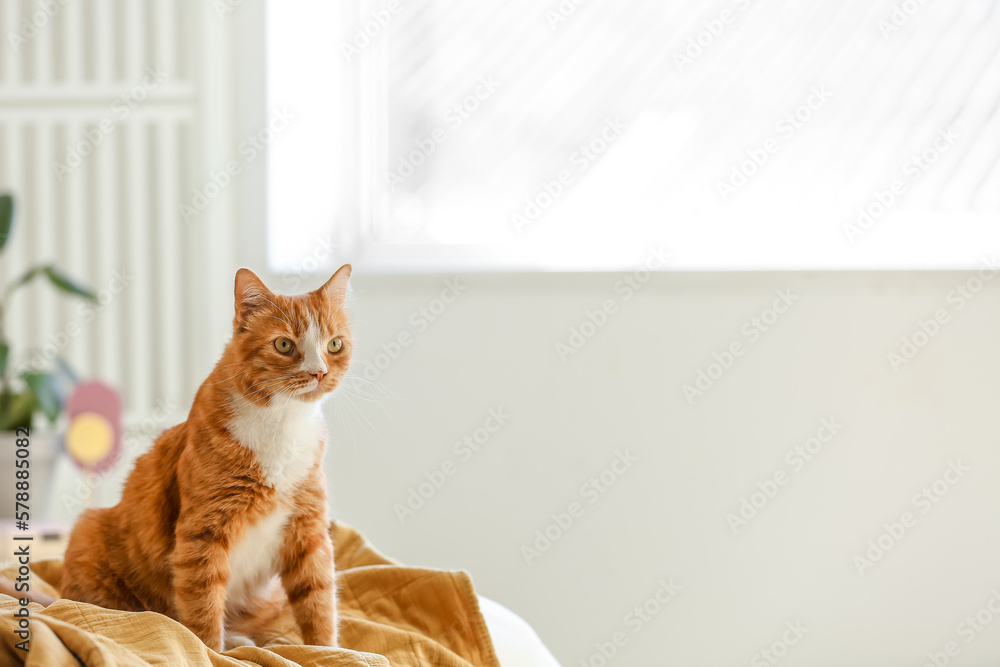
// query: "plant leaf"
[[67, 370], [4, 352], [26, 277], [67, 284], [16, 410], [47, 392], [6, 218]]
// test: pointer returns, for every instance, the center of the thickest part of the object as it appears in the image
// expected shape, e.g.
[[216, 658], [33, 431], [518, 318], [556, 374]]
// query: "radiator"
[[102, 138]]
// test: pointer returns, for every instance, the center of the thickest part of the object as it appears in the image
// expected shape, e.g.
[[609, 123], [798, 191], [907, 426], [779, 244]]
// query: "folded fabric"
[[390, 615]]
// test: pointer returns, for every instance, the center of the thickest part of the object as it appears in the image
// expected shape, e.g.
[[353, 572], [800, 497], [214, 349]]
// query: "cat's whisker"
[[370, 399], [358, 392], [260, 408], [376, 385], [357, 411], [359, 378], [281, 310], [287, 397], [363, 394], [283, 377], [235, 363], [271, 398], [354, 438], [364, 422], [276, 391], [228, 378], [274, 318], [286, 388], [247, 393], [339, 413]]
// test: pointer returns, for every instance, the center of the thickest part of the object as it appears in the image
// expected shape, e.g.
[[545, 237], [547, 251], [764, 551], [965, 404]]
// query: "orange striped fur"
[[233, 501]]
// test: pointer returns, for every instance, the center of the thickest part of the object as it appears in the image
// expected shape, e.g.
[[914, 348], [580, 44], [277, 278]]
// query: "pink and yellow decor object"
[[93, 439]]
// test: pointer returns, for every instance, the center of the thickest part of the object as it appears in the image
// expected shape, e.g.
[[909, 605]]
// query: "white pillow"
[[515, 642]]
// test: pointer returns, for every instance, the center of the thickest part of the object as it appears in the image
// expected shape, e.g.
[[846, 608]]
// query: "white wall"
[[666, 517]]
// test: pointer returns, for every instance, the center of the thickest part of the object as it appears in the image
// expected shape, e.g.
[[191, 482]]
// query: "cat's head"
[[291, 346]]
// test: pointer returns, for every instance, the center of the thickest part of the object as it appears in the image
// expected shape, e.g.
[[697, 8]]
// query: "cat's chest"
[[285, 439], [254, 559]]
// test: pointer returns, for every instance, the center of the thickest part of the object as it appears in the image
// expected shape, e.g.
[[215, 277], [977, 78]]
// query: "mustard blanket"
[[390, 615]]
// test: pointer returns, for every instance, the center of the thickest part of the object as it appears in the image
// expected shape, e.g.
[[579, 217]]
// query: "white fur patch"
[[253, 562], [314, 349], [285, 437]]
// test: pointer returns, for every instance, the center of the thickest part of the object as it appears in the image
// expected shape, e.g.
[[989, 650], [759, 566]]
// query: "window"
[[569, 135]]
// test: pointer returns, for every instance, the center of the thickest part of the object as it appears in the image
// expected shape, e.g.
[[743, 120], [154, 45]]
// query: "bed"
[[391, 614]]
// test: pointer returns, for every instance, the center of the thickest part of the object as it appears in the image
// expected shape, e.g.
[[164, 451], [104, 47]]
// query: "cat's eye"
[[284, 345], [335, 345]]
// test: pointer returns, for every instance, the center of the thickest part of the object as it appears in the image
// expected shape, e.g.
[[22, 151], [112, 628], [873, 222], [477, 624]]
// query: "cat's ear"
[[250, 292], [336, 287]]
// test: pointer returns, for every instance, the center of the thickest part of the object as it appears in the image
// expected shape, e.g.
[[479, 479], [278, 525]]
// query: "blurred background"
[[676, 321]]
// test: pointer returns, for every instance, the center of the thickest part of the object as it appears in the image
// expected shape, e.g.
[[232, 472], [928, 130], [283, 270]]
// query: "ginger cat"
[[235, 497]]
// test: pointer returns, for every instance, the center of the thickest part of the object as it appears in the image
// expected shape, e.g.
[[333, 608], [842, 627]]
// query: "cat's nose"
[[319, 376]]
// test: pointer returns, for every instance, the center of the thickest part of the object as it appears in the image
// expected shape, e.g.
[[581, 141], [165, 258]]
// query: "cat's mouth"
[[310, 390]]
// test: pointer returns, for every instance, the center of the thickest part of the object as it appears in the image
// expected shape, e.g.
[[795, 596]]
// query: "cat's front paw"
[[235, 640], [321, 639]]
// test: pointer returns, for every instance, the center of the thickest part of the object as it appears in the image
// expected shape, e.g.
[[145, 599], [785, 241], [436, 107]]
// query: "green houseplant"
[[35, 390]]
